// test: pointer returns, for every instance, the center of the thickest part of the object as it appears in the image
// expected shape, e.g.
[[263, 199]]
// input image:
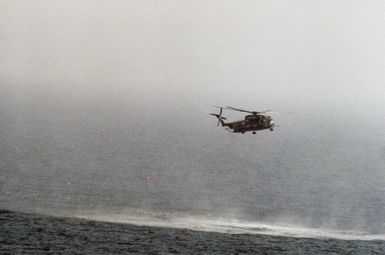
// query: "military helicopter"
[[254, 122]]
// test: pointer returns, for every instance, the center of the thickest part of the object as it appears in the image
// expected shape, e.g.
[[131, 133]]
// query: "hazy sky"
[[263, 54], [171, 61]]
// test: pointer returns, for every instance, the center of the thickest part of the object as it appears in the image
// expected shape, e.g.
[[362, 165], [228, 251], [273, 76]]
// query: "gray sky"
[[280, 54], [164, 62]]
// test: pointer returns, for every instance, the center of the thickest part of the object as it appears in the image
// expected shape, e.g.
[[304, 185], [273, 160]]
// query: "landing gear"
[[254, 132], [271, 129]]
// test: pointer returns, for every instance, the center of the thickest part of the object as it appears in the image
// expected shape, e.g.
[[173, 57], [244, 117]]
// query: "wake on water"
[[42, 234], [230, 226]]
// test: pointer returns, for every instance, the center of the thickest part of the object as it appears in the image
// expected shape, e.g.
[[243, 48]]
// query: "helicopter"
[[253, 122]]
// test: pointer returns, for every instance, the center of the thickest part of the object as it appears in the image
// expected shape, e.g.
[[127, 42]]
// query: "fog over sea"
[[104, 119]]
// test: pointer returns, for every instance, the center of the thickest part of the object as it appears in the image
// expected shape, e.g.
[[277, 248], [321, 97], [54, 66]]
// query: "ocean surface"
[[38, 234], [161, 175]]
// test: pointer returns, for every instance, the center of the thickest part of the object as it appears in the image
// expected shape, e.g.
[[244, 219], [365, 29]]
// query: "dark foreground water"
[[23, 233]]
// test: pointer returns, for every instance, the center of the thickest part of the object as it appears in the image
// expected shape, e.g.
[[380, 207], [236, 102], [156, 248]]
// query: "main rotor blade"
[[269, 112], [239, 110], [265, 113]]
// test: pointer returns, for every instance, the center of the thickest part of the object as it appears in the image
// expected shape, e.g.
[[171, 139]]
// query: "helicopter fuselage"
[[253, 122]]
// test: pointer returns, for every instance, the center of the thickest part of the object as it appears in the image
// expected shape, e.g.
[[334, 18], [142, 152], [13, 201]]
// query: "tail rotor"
[[219, 116]]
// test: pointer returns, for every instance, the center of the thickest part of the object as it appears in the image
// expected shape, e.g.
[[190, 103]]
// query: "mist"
[[97, 95]]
